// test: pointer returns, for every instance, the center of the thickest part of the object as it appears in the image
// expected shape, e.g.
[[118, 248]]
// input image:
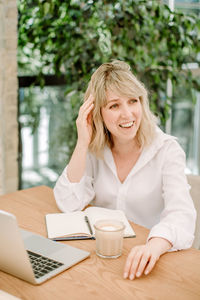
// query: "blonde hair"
[[118, 77]]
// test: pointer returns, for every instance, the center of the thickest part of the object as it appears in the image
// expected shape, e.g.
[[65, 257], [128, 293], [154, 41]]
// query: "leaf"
[[46, 8]]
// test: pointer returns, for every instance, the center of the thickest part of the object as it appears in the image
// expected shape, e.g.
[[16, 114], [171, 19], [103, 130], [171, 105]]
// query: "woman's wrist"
[[163, 244], [82, 146]]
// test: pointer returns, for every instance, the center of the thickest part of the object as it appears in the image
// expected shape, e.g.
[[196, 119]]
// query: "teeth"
[[126, 125]]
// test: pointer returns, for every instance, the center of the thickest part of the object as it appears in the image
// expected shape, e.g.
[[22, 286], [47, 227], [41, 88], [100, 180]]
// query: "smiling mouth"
[[126, 125]]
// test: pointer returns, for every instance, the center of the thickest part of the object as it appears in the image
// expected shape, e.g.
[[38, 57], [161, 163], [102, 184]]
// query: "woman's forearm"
[[77, 164]]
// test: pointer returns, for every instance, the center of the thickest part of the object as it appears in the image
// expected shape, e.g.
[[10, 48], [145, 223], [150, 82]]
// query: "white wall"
[[8, 97]]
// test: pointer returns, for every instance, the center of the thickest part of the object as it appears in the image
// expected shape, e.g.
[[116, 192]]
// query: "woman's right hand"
[[84, 122]]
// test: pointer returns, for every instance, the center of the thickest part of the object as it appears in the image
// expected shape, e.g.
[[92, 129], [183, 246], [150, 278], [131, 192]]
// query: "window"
[[185, 113], [42, 134]]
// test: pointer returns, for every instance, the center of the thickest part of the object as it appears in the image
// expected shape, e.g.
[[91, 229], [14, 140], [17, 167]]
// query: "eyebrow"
[[113, 100], [117, 99]]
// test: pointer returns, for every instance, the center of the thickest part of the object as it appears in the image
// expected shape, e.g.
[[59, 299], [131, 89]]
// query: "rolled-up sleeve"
[[74, 196], [177, 221]]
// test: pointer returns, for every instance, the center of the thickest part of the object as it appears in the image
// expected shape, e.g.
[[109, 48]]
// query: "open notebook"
[[80, 224]]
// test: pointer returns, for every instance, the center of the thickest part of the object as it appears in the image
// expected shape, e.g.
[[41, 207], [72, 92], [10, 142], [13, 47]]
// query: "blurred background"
[[61, 43]]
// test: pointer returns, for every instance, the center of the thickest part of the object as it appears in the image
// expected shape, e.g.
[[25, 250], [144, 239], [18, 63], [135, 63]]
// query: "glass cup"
[[109, 238]]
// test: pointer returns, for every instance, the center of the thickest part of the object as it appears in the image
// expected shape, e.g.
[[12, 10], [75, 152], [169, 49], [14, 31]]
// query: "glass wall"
[[42, 134], [192, 6], [185, 114], [186, 126]]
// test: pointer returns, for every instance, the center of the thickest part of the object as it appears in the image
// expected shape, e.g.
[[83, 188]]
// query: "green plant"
[[74, 37]]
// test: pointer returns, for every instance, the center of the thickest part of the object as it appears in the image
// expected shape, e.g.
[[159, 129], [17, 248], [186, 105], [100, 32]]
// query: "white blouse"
[[155, 193]]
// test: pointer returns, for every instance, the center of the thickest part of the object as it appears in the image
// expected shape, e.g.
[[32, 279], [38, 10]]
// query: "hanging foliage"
[[74, 37]]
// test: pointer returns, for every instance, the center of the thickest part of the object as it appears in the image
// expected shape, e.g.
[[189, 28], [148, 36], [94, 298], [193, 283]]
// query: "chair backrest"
[[194, 182]]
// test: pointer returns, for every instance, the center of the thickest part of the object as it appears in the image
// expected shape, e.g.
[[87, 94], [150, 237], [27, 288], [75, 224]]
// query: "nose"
[[126, 111]]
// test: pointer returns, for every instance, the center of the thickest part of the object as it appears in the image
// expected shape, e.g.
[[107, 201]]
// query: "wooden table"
[[176, 275]]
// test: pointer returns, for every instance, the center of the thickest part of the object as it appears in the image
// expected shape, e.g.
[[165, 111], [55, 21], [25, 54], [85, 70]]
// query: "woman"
[[122, 160]]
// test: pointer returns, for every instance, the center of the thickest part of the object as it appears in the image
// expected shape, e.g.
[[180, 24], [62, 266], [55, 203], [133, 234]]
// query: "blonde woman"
[[122, 160]]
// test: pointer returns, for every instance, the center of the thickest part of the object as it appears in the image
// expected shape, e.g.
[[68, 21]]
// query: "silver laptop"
[[32, 257]]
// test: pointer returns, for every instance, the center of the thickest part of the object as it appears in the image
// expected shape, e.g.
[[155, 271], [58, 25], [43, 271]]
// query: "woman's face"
[[122, 116]]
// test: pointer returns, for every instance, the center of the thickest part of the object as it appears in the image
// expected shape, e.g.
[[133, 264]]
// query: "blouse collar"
[[146, 155]]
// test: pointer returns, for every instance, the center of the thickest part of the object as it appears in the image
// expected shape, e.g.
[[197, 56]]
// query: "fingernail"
[[138, 274], [125, 275], [131, 277], [146, 272]]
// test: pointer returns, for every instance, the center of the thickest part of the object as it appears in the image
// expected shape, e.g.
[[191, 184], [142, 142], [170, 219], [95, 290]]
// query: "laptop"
[[32, 257]]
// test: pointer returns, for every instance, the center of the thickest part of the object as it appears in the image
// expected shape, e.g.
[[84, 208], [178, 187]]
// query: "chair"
[[194, 182]]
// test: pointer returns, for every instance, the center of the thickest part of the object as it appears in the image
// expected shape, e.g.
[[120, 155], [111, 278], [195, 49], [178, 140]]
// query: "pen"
[[88, 224]]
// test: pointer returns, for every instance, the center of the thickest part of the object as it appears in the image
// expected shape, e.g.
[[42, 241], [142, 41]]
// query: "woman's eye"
[[133, 100], [114, 106]]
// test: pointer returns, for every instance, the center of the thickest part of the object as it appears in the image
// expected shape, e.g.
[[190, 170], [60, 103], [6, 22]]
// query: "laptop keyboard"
[[41, 264]]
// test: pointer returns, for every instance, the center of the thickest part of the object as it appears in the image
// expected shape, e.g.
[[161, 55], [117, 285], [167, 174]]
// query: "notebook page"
[[66, 224]]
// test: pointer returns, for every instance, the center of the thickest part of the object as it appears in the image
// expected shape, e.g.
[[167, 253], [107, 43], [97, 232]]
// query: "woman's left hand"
[[143, 258]]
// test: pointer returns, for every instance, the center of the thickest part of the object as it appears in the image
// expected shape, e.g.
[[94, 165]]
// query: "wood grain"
[[176, 275]]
